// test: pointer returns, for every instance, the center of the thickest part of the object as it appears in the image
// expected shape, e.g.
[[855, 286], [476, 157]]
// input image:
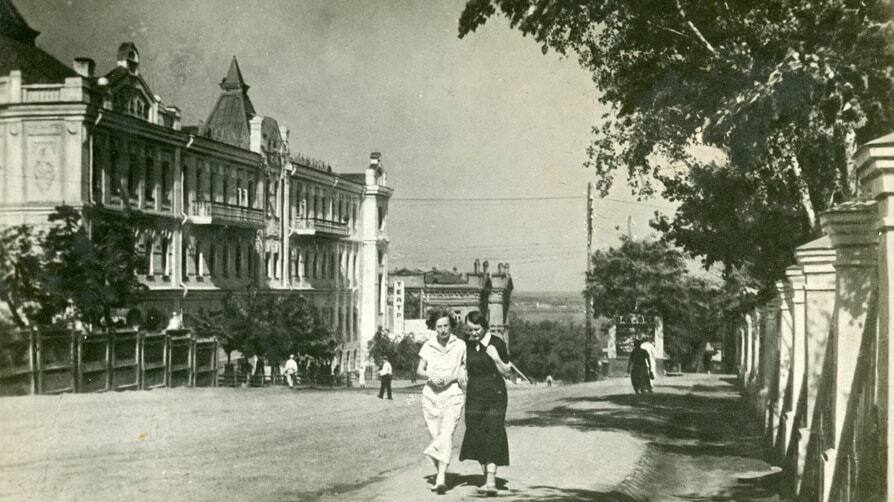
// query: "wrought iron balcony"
[[219, 213], [311, 226]]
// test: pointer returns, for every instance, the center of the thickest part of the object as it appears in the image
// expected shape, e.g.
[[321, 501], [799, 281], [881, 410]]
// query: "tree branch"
[[695, 30]]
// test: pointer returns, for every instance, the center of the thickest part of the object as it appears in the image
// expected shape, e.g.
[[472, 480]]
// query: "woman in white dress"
[[442, 361]]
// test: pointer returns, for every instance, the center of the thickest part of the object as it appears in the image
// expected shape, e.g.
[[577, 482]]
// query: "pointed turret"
[[229, 120]]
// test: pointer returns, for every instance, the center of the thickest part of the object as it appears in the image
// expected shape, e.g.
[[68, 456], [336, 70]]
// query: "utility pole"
[[588, 301]]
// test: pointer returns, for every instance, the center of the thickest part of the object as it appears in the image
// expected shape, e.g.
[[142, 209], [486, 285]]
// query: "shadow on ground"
[[694, 432]]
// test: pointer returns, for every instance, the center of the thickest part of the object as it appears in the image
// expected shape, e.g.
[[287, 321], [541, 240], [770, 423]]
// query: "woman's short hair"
[[437, 313], [476, 317]]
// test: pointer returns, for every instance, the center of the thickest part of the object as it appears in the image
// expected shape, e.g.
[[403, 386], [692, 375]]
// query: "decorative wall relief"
[[44, 152]]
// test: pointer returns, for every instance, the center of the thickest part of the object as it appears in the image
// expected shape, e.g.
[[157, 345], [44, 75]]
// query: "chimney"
[[506, 268], [484, 267], [84, 66], [477, 265], [499, 269]]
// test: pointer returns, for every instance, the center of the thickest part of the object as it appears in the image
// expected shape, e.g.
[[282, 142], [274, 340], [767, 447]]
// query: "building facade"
[[414, 292], [222, 206]]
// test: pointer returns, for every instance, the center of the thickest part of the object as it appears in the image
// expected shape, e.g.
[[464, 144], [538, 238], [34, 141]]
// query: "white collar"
[[433, 341], [485, 340]]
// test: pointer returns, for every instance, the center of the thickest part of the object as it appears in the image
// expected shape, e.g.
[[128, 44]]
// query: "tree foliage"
[[83, 267], [785, 89], [548, 348], [403, 353], [272, 326], [650, 278]]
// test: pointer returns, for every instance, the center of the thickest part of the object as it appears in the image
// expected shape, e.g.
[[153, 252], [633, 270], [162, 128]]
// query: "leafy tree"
[[548, 348], [381, 346], [784, 89], [20, 276], [650, 278], [272, 326], [91, 262]]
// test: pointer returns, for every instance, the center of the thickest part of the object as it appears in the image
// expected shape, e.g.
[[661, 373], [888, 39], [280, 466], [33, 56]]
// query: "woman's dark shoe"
[[440, 489]]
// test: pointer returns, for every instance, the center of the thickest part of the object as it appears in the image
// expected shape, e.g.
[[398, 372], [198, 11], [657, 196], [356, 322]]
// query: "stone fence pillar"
[[875, 172], [849, 227]]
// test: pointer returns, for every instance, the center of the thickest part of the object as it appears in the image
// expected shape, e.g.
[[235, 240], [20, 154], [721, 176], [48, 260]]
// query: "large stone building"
[[222, 206], [414, 292]]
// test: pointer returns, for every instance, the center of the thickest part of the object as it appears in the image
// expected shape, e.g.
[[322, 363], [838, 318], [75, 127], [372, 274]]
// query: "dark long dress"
[[639, 367], [485, 438]]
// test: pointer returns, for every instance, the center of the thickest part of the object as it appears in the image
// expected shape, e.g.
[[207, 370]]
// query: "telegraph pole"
[[588, 301]]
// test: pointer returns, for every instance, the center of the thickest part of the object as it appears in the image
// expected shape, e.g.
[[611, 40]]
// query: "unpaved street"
[[689, 441]]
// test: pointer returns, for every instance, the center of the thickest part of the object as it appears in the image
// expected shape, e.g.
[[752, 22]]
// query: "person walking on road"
[[640, 369], [385, 378], [549, 380], [442, 361], [487, 362], [291, 370]]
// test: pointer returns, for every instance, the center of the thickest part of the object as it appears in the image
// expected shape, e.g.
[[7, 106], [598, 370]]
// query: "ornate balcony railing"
[[219, 213], [311, 226]]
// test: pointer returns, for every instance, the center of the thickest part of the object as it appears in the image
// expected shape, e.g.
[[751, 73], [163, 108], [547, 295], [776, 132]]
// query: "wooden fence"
[[66, 360]]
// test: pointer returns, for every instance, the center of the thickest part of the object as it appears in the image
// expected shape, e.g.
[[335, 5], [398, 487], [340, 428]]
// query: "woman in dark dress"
[[487, 362], [639, 367]]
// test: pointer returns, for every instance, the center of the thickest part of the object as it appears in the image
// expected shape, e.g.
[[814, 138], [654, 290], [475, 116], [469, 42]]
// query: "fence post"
[[875, 171]]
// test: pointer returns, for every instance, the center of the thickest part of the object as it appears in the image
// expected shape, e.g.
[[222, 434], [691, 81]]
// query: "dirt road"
[[691, 440]]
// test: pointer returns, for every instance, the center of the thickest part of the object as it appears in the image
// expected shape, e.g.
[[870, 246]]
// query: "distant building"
[[412, 293], [222, 205]]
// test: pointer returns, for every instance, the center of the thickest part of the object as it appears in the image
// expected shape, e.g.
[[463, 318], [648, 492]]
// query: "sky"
[[483, 138]]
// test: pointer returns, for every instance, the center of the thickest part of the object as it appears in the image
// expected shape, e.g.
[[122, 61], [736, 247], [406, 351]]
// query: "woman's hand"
[[437, 381]]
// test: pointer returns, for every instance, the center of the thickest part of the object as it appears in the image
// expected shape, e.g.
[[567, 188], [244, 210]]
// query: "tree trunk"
[[803, 190]]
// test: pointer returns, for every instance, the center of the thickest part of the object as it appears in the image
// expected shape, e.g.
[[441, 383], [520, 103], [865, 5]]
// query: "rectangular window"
[[166, 187], [212, 256], [238, 259], [96, 172], [149, 196], [267, 264], [144, 251], [211, 186], [114, 172], [199, 194], [165, 257], [276, 265], [240, 200], [225, 260], [184, 261], [133, 175]]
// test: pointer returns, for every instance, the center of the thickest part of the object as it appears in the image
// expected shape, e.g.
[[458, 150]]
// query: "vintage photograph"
[[407, 250]]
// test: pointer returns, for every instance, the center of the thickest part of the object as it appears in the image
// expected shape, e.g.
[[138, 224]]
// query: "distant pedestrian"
[[385, 378], [640, 369], [487, 362], [291, 370], [549, 380], [650, 348], [361, 375], [442, 360], [707, 355]]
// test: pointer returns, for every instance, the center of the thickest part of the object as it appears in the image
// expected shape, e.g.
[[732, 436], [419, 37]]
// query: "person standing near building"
[[361, 375], [442, 361], [385, 378], [640, 369], [291, 370], [650, 349], [487, 362]]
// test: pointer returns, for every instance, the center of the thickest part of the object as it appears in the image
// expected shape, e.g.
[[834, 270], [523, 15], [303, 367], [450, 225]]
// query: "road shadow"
[[694, 433]]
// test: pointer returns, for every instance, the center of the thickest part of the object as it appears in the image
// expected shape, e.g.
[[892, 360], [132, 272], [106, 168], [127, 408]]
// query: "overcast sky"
[[483, 118]]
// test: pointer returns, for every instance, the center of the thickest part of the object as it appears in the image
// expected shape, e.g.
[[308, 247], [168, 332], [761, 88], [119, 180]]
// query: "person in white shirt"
[[442, 360], [385, 378], [291, 370], [648, 347]]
